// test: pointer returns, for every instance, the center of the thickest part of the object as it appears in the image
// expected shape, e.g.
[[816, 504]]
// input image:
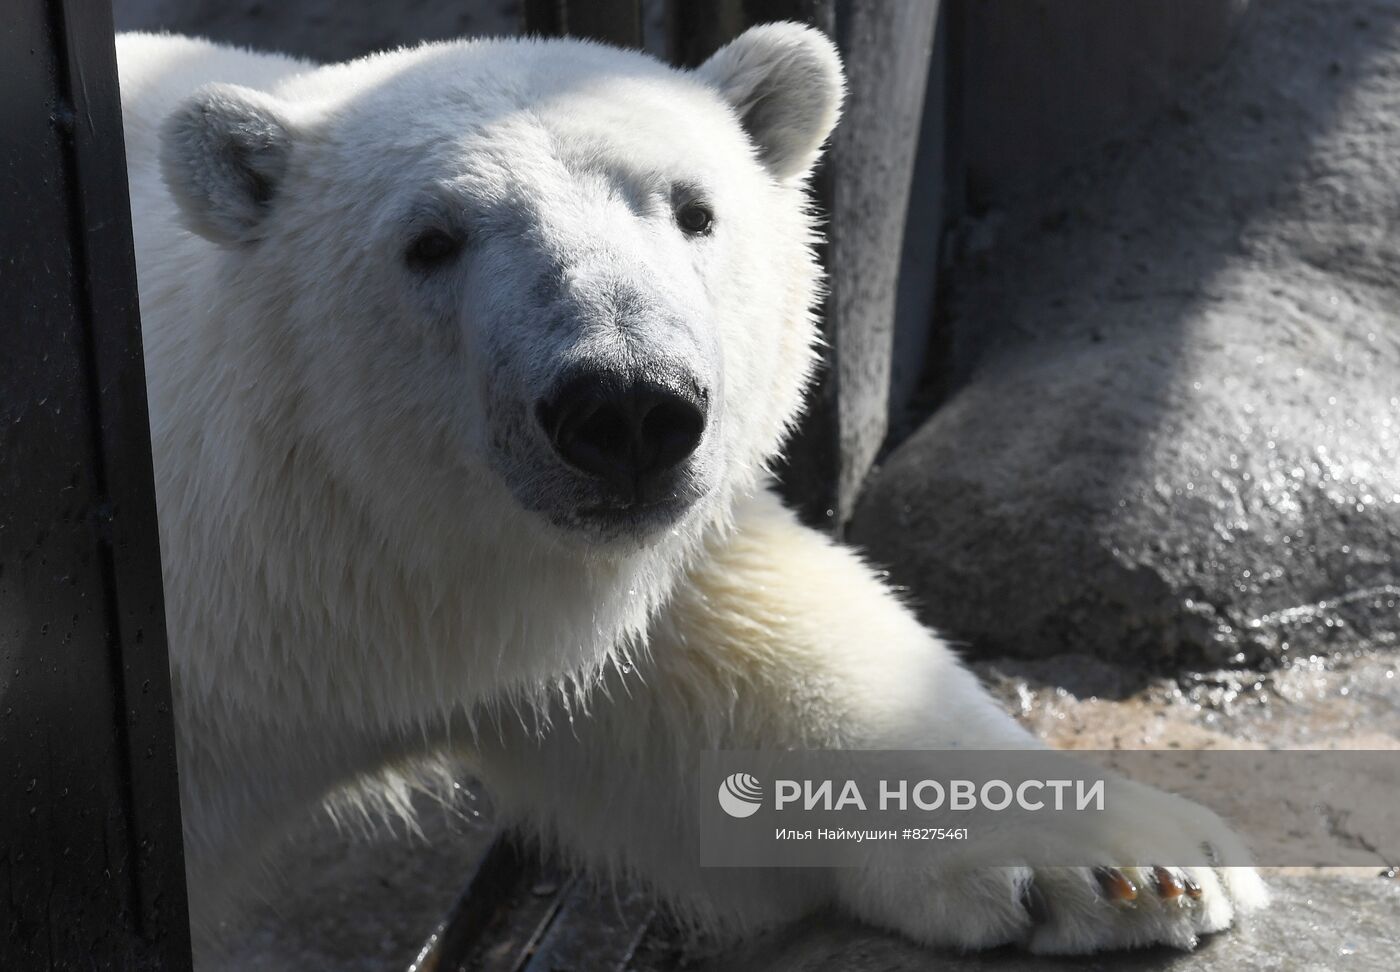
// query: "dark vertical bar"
[[543, 18], [103, 245], [955, 102], [809, 475], [91, 857], [920, 344], [617, 22], [481, 903], [594, 932], [946, 354], [697, 30]]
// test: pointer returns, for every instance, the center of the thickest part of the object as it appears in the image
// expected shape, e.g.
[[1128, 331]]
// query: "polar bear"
[[467, 364]]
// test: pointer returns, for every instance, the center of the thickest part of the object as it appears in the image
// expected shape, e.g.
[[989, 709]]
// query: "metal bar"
[[617, 22], [518, 915], [543, 18], [132, 548], [510, 906], [483, 900], [593, 932], [922, 344], [696, 30], [90, 844], [809, 475]]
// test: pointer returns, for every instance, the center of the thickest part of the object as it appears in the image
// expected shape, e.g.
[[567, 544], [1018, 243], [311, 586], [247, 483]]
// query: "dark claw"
[[1034, 903], [1168, 887], [1115, 884], [1193, 890]]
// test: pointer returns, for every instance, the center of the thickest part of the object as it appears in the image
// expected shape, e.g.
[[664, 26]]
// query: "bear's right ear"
[[786, 84], [224, 154]]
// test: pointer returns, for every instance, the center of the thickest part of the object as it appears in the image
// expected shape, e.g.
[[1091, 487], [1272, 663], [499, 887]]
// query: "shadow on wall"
[[1031, 88], [1172, 431], [1044, 82]]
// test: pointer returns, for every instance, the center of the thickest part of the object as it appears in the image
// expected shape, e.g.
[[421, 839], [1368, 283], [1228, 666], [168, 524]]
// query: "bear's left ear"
[[786, 83], [224, 153]]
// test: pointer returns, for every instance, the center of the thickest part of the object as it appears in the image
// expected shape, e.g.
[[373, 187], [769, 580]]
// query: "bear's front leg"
[[780, 639]]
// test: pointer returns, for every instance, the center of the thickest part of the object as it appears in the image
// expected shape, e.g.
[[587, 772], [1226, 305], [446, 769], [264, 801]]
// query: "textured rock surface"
[[1178, 440]]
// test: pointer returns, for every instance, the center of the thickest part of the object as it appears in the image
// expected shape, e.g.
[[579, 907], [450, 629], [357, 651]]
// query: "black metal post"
[[616, 22], [90, 842]]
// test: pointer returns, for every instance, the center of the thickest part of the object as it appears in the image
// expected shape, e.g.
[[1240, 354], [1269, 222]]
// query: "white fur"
[[370, 554]]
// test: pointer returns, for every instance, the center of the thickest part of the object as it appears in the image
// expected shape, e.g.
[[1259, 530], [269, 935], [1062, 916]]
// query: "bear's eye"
[[431, 249], [694, 218]]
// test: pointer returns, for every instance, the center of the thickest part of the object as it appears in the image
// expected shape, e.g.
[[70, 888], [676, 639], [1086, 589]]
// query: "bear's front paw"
[[1129, 900], [1060, 910]]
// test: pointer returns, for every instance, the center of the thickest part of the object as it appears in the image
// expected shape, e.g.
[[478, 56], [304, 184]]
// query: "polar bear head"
[[515, 280]]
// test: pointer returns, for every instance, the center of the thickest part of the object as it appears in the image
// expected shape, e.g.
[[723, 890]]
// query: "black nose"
[[627, 431]]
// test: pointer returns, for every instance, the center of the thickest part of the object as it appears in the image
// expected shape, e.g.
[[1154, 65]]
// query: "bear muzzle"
[[632, 432]]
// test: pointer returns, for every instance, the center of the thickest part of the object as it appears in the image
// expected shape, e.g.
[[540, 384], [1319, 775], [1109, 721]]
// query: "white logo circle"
[[740, 795]]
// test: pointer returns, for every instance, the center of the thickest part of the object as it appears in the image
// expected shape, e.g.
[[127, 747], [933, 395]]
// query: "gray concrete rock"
[[1177, 439]]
